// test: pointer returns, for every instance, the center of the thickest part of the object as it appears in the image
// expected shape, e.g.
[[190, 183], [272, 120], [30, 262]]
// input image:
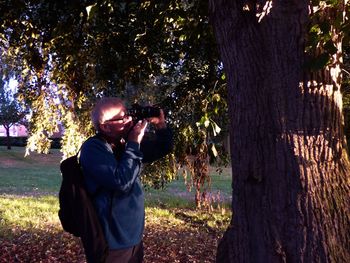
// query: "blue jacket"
[[116, 185]]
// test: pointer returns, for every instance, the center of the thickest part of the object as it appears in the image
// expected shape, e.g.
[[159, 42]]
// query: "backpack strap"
[[98, 189]]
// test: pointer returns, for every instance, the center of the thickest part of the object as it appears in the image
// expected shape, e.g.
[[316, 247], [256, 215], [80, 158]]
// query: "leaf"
[[216, 97], [216, 128], [214, 151], [90, 10], [182, 38], [315, 29]]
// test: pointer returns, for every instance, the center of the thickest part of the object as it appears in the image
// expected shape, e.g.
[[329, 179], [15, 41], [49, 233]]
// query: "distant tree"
[[10, 111]]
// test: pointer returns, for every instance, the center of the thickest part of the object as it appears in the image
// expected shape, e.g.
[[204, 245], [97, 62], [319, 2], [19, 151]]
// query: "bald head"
[[105, 109]]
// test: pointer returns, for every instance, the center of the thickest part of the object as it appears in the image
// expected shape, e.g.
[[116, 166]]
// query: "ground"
[[30, 231], [167, 240]]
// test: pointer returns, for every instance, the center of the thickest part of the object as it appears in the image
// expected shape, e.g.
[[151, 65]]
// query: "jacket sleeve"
[[157, 145], [101, 168]]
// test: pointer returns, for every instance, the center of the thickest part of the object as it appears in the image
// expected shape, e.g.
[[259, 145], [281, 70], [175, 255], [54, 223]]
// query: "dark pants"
[[129, 255]]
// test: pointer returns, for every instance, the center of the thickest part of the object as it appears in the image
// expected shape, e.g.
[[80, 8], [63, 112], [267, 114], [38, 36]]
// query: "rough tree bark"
[[290, 171]]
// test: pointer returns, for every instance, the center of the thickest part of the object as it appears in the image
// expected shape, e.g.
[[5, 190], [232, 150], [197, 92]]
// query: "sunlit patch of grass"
[[27, 213], [216, 220], [165, 217]]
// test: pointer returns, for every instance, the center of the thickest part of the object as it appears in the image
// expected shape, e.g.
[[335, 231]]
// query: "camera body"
[[138, 112]]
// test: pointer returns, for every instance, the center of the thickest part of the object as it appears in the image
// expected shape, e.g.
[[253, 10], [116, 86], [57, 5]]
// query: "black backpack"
[[77, 213]]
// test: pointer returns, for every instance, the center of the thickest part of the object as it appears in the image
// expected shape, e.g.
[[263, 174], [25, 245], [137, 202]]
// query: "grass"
[[29, 187], [30, 228], [34, 173], [176, 194], [27, 213]]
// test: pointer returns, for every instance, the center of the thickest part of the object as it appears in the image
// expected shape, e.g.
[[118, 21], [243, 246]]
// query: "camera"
[[138, 112]]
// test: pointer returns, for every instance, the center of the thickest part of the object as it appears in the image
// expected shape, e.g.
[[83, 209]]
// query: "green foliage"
[[69, 53], [328, 39], [73, 52], [327, 19], [154, 175]]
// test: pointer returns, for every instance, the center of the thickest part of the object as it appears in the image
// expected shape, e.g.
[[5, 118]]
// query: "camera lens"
[[138, 112]]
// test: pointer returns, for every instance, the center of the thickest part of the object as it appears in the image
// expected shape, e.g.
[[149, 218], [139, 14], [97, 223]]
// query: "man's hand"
[[137, 132]]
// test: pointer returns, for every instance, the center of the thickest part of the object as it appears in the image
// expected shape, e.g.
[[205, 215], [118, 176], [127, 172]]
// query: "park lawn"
[[30, 230], [36, 173]]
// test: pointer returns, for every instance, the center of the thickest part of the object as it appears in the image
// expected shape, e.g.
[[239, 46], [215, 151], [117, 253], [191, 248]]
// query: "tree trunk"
[[8, 137], [291, 192]]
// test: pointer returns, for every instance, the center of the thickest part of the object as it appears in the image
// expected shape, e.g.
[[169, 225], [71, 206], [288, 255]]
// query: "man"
[[111, 163]]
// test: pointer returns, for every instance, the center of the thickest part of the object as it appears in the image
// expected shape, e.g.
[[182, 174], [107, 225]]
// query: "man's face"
[[116, 123]]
